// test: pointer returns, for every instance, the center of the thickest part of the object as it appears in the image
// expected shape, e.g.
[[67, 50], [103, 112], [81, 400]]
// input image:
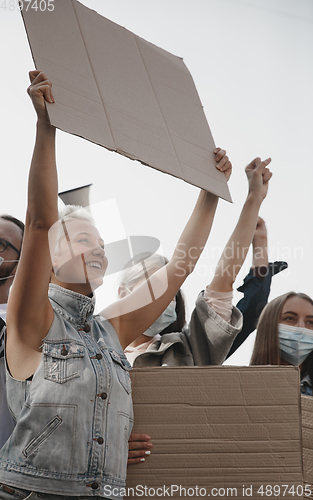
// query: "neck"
[[142, 339], [82, 288]]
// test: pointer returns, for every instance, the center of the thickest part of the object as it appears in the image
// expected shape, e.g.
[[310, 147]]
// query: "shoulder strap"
[[2, 330]]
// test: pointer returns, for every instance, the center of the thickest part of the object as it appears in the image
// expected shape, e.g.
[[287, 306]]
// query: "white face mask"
[[1, 262], [167, 318], [295, 343]]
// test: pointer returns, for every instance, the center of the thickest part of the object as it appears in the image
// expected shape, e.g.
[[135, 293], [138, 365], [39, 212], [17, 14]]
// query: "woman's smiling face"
[[80, 257]]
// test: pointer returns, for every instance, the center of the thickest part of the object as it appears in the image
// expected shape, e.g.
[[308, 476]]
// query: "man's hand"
[[259, 244], [139, 448], [222, 162], [39, 92], [260, 233]]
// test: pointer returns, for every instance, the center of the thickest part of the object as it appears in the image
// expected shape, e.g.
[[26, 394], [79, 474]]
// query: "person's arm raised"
[[238, 245], [30, 314], [256, 288], [132, 315], [259, 246]]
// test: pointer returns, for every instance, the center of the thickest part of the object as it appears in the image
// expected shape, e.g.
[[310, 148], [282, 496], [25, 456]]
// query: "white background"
[[251, 61]]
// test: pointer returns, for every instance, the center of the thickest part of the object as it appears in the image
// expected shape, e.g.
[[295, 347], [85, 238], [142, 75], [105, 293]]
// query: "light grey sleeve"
[[210, 337]]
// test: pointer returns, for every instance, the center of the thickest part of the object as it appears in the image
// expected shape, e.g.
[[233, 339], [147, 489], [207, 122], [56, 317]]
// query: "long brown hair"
[[266, 348]]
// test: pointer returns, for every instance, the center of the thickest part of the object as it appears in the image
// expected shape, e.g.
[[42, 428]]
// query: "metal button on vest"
[[64, 352], [94, 486], [86, 328], [100, 440], [98, 355], [103, 395]]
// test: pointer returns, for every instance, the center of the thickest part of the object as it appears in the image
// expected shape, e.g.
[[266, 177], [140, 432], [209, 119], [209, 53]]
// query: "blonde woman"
[[67, 380]]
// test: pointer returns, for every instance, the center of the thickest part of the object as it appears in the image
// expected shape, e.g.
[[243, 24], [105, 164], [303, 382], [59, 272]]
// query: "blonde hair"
[[75, 212], [266, 348], [140, 267], [70, 212]]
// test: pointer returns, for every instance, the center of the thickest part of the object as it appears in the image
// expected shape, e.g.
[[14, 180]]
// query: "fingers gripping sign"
[[39, 92], [139, 448], [223, 163]]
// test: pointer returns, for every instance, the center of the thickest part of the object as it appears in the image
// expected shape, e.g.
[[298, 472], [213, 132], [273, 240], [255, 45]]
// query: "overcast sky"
[[251, 61]]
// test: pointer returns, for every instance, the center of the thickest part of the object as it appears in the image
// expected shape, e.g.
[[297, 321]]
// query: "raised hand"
[[39, 92], [258, 176]]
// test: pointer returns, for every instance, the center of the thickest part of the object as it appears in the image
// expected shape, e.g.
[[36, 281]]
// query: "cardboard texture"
[[307, 437], [124, 93], [219, 427]]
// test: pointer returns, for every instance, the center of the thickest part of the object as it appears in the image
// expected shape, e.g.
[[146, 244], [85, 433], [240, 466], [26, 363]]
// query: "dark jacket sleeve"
[[2, 329], [256, 289]]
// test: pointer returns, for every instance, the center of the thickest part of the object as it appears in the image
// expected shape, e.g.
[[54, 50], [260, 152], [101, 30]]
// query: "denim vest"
[[75, 416]]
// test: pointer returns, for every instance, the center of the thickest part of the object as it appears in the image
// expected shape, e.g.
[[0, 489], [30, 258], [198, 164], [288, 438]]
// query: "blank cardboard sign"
[[218, 432], [307, 436], [124, 93]]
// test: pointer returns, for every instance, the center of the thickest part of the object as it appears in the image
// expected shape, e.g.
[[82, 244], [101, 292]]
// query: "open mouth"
[[94, 264]]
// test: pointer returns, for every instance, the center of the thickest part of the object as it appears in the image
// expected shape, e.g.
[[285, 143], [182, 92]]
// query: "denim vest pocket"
[[15, 493], [122, 368], [42, 436], [124, 422], [62, 360]]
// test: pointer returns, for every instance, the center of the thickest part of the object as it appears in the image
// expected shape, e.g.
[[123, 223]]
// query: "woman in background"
[[285, 336]]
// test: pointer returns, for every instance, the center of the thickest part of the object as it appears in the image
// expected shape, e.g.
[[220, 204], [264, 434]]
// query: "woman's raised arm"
[[133, 314], [29, 312], [238, 245]]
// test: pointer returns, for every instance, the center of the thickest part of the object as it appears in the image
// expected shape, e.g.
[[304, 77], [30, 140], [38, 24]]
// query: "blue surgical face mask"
[[167, 318], [295, 343]]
